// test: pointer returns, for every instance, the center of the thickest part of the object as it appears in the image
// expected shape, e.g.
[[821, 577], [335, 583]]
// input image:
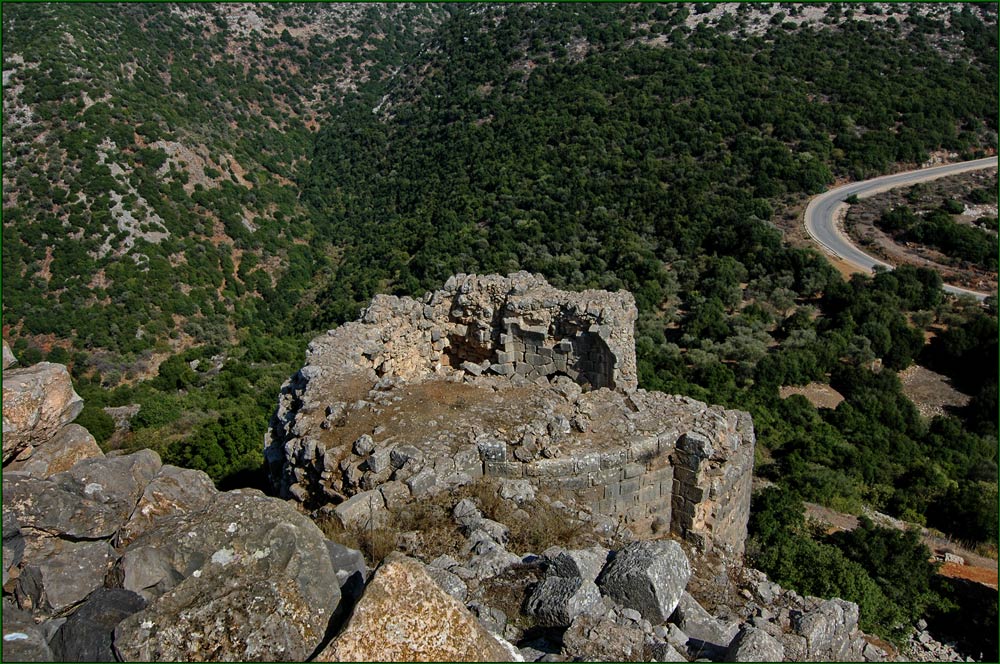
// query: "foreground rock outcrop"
[[125, 556], [507, 377], [405, 616]]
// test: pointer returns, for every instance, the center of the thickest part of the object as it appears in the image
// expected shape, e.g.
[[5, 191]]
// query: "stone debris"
[[649, 577]]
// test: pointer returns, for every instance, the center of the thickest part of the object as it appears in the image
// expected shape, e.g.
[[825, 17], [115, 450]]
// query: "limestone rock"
[[648, 577], [86, 636], [350, 567], [8, 356], [23, 640], [665, 652], [245, 578], [172, 490], [596, 639], [705, 632], [37, 402], [405, 616], [92, 500], [70, 444], [755, 645], [829, 630], [568, 589], [59, 574]]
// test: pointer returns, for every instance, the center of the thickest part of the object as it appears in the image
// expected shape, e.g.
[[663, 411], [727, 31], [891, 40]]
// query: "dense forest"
[[603, 146]]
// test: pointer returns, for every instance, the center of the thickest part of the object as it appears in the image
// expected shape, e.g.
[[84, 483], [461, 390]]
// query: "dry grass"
[[547, 525], [425, 529]]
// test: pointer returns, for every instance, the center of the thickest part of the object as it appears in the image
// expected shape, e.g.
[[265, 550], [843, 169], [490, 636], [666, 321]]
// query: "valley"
[[196, 195]]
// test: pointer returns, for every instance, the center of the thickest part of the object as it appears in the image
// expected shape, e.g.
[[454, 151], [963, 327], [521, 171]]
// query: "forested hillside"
[[207, 196]]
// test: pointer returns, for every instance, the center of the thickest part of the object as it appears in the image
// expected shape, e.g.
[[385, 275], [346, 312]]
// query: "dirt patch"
[[931, 392], [987, 577], [818, 394]]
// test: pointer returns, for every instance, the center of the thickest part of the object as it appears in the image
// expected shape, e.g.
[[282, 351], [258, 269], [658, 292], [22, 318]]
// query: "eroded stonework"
[[511, 378]]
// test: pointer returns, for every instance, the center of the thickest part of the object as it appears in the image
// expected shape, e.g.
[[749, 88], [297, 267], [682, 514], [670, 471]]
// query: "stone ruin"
[[510, 378]]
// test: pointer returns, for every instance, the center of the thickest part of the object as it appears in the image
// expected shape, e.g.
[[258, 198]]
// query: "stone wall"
[[507, 377]]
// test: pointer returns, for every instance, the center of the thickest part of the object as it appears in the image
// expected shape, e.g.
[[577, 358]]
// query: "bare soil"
[[931, 392], [818, 394]]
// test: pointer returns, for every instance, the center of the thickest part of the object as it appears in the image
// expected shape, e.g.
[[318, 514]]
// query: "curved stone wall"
[[506, 377]]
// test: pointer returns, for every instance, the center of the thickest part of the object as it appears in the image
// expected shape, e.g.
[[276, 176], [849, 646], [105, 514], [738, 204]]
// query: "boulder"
[[755, 645], [92, 500], [405, 616], [829, 630], [72, 443], [362, 510], [172, 490], [245, 578], [450, 583], [648, 577], [37, 402], [57, 574], [350, 567], [597, 639], [568, 589], [467, 515], [86, 636], [664, 652], [557, 601], [23, 640], [706, 633], [8, 356]]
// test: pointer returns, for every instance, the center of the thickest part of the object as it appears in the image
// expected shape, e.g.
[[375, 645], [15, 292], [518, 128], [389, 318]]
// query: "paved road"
[[821, 214]]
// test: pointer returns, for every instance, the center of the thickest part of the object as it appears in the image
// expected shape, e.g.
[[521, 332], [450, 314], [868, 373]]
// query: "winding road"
[[824, 210]]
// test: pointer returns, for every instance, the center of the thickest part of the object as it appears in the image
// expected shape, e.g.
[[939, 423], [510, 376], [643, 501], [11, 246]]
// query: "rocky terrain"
[[124, 557]]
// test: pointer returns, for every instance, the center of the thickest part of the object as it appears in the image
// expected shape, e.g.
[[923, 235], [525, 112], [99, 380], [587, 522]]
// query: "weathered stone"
[[519, 491], [70, 444], [648, 577], [246, 578], [556, 600], [362, 510], [172, 490], [13, 544], [585, 564], [755, 645], [450, 583], [422, 482], [86, 636], [92, 500], [23, 640], [705, 632], [828, 629], [665, 652], [66, 572], [492, 562], [364, 445], [8, 356], [405, 616], [37, 402], [467, 515], [596, 639], [350, 567]]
